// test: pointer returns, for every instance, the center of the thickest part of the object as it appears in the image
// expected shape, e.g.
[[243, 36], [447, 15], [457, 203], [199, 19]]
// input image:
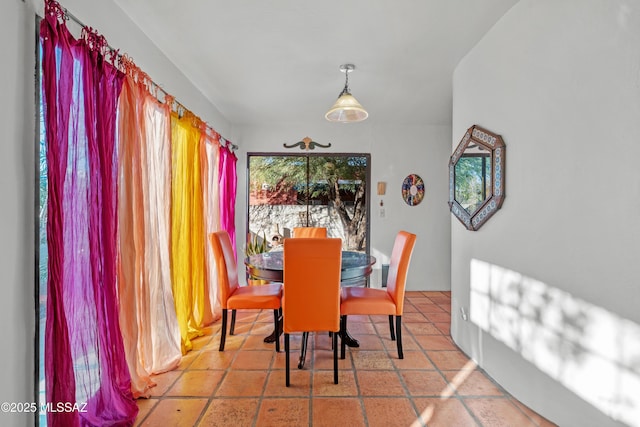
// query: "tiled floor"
[[435, 384]]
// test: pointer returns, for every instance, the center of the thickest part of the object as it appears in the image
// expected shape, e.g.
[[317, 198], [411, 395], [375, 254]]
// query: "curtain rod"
[[68, 15]]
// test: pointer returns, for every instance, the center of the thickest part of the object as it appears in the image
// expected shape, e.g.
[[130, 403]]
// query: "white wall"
[[560, 81], [17, 169], [396, 151]]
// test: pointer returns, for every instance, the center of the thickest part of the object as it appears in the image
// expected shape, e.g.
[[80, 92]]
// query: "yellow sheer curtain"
[[187, 227]]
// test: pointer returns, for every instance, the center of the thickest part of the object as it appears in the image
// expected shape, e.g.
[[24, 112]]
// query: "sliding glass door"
[[311, 190]]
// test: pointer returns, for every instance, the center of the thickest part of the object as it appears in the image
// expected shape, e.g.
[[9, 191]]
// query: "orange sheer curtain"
[[131, 236], [147, 316]]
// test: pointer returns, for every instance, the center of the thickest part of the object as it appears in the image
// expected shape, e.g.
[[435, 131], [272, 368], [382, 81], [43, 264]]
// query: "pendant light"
[[346, 109]]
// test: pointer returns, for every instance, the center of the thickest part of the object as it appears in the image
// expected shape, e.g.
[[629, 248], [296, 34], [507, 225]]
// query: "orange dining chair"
[[304, 232], [233, 296], [311, 298], [309, 232], [369, 301]]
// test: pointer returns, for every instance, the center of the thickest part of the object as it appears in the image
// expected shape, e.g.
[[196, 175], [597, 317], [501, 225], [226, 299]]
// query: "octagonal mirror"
[[476, 177]]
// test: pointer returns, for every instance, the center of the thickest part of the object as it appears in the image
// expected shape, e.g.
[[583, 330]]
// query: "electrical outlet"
[[382, 213]]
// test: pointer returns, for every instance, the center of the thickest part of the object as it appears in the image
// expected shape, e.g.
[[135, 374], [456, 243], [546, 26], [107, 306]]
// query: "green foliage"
[[256, 245]]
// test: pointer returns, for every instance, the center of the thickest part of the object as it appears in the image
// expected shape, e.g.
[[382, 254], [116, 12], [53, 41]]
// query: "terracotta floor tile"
[[413, 360], [200, 342], [444, 413], [449, 360], [187, 360], [338, 411], [425, 383], [435, 384], [254, 359], [225, 412], [389, 411], [164, 382], [446, 307], [372, 359], [213, 359], [256, 342], [323, 385], [357, 329], [497, 412], [435, 342], [429, 307], [537, 419], [145, 406], [409, 308], [175, 412], [196, 383], [299, 383], [416, 317], [408, 343], [370, 342], [438, 317], [380, 383], [323, 360], [440, 299], [472, 383], [283, 412], [444, 327], [242, 383], [425, 328]]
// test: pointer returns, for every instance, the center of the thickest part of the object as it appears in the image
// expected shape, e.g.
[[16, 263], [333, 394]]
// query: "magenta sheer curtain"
[[84, 354], [228, 182]]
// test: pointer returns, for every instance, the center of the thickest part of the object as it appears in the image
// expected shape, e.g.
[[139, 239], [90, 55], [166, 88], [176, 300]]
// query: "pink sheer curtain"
[[228, 182], [210, 153], [84, 352]]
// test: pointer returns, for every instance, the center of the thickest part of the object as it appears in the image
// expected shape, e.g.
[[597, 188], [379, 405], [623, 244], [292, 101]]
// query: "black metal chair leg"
[[343, 332], [276, 324], [399, 334], [223, 330], [233, 322], [303, 350], [334, 341], [286, 351], [393, 335]]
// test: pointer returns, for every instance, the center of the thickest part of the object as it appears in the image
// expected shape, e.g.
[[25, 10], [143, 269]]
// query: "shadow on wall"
[[589, 350]]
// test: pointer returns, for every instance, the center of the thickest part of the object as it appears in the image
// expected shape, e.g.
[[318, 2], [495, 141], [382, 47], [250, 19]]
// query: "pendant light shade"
[[347, 109]]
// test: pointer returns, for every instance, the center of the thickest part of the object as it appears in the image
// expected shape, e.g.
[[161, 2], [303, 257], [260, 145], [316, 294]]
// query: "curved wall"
[[551, 281]]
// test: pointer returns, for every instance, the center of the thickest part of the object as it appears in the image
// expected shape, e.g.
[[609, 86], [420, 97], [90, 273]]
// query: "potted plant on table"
[[256, 245]]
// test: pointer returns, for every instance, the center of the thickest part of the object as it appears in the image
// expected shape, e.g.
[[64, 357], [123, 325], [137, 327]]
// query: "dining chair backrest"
[[225, 265], [311, 297], [309, 232], [398, 268]]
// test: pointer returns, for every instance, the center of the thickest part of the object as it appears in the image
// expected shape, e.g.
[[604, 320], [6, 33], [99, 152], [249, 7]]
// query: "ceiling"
[[278, 61]]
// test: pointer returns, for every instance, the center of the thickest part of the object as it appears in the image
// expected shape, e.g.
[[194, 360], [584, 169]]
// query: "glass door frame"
[[307, 154]]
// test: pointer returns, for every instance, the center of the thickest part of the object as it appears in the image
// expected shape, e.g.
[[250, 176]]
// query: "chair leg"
[[399, 334], [223, 330], [393, 335], [334, 341], [276, 324], [303, 349], [343, 331], [233, 322], [286, 351]]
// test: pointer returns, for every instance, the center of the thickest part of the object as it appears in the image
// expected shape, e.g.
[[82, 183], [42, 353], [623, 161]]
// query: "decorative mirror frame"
[[493, 143]]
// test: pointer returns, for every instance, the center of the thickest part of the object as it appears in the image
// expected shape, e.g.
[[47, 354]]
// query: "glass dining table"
[[356, 268]]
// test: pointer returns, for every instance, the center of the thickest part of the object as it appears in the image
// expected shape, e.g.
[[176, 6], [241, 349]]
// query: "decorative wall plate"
[[413, 190]]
